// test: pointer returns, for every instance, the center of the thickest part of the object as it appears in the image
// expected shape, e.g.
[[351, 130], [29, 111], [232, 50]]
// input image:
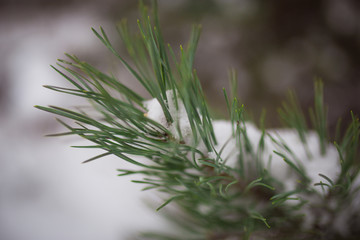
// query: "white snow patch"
[[304, 155], [314, 163], [179, 115]]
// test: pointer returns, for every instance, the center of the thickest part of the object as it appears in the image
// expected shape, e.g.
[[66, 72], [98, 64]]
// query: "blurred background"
[[45, 191]]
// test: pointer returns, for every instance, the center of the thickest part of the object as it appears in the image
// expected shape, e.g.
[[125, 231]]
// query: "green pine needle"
[[217, 200]]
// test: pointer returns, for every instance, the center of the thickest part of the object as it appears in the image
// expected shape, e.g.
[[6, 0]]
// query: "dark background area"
[[274, 46]]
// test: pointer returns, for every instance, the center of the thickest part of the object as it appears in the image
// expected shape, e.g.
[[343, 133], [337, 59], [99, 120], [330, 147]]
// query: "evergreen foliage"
[[215, 199]]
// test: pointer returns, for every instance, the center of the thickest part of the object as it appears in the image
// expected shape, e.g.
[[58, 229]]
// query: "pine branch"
[[264, 185]]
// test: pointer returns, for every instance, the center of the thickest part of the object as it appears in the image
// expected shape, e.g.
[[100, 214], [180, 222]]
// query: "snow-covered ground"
[[45, 191]]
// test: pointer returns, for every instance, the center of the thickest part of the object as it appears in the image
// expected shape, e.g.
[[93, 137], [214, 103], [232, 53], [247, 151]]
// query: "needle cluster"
[[223, 179]]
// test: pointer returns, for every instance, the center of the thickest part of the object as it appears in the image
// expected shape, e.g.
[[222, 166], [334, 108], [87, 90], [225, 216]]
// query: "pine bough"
[[224, 179]]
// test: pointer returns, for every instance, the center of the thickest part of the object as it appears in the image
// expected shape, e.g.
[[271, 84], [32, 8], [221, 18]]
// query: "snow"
[[327, 164], [305, 155], [179, 116], [45, 191], [313, 164]]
